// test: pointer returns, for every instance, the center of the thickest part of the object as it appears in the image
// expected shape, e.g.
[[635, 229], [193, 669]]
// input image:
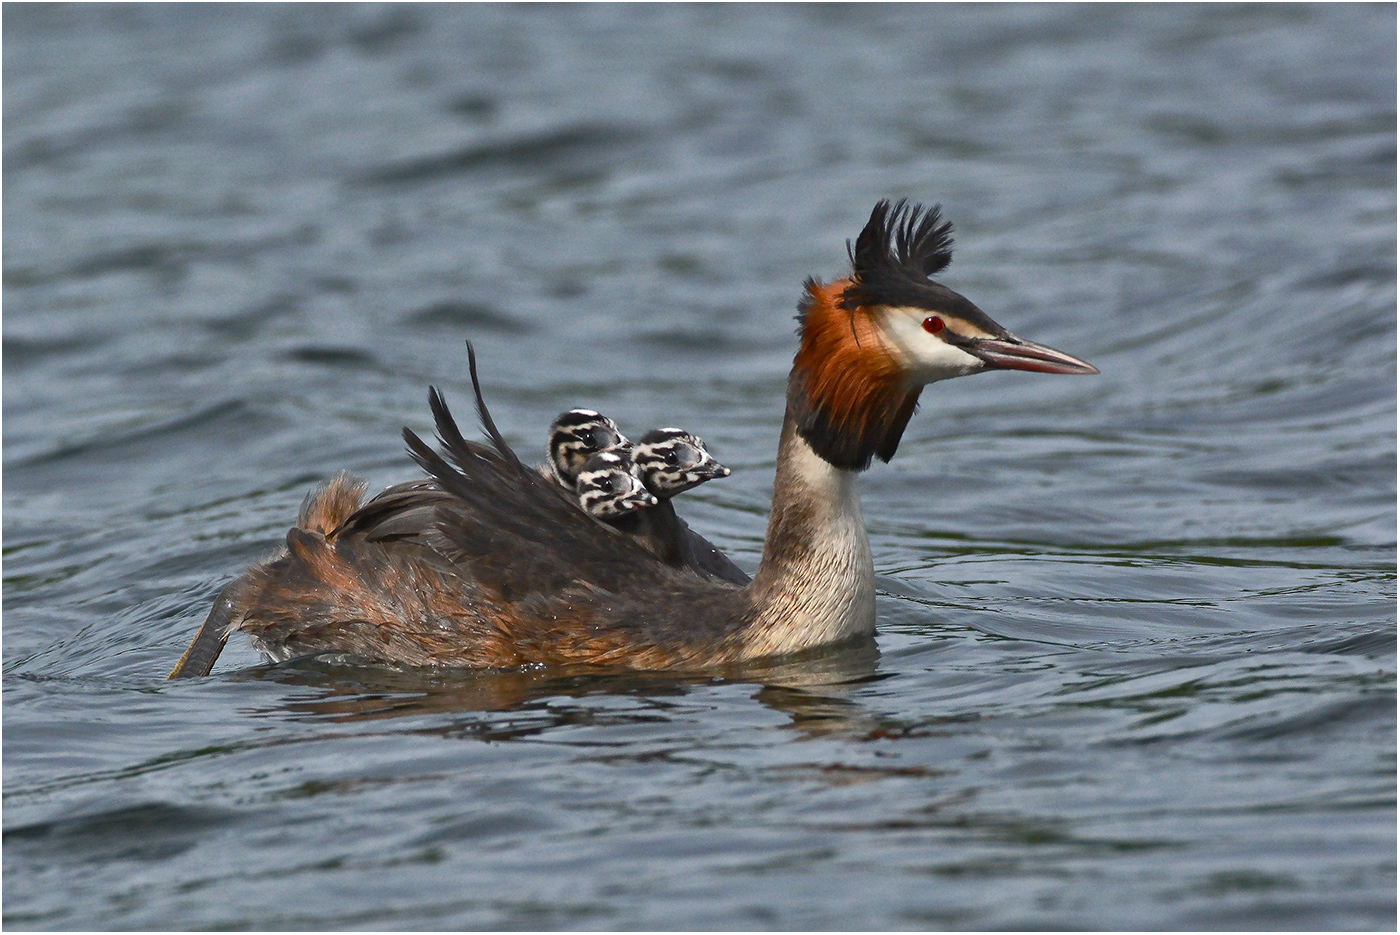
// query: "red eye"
[[933, 324]]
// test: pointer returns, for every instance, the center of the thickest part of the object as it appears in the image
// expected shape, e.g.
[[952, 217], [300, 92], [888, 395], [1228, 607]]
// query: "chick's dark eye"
[[607, 485], [672, 458], [933, 324]]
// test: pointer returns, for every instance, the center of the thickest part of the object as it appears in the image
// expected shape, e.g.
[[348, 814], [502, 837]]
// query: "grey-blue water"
[[1136, 655]]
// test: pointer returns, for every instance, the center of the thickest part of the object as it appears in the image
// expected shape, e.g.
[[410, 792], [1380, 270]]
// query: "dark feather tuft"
[[901, 247], [485, 415]]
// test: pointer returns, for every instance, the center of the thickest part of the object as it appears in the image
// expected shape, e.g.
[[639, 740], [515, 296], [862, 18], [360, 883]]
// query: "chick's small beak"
[[1013, 353], [712, 469], [639, 500]]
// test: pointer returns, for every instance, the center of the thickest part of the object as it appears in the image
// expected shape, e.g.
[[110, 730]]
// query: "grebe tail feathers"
[[326, 508], [213, 635]]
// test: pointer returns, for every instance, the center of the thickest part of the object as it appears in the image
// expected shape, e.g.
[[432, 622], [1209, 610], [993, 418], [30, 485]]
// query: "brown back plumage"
[[332, 503], [484, 563]]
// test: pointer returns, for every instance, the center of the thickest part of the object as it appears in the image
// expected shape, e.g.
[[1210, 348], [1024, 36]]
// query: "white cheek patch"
[[927, 357]]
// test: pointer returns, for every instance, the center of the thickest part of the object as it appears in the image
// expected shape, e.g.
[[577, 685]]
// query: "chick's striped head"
[[673, 461], [610, 485], [577, 435]]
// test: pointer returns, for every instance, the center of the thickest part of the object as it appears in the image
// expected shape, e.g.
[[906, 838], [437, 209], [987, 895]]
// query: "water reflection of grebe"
[[817, 690]]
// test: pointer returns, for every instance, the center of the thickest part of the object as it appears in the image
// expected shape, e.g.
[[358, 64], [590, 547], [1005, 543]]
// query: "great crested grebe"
[[574, 437], [673, 461], [491, 564], [610, 485]]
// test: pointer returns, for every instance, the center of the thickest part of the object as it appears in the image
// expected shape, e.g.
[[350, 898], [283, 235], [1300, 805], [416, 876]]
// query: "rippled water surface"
[[1136, 653]]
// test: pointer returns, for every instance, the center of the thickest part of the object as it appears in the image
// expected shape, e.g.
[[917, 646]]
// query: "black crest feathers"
[[901, 247]]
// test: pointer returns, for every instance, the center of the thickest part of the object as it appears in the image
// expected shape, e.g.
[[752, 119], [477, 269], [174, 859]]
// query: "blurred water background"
[[1136, 654]]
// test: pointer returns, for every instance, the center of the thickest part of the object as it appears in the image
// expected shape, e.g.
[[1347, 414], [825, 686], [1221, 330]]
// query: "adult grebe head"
[[871, 341]]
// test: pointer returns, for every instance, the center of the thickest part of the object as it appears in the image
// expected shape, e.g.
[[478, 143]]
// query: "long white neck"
[[816, 583]]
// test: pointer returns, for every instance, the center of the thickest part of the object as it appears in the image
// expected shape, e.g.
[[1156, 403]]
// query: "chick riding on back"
[[609, 486], [574, 437], [673, 461]]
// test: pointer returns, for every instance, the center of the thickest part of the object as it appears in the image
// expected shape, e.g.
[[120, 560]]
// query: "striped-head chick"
[[609, 485], [672, 461], [578, 435]]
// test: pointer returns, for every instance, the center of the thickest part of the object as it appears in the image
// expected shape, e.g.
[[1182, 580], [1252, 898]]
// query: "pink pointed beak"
[[1012, 353]]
